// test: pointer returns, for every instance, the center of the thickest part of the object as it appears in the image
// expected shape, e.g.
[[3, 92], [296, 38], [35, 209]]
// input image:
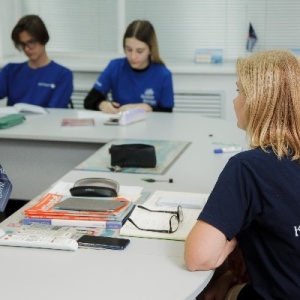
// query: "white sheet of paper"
[[183, 199], [152, 220]]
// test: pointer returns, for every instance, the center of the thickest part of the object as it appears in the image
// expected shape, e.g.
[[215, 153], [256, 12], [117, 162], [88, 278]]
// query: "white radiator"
[[78, 97], [206, 103]]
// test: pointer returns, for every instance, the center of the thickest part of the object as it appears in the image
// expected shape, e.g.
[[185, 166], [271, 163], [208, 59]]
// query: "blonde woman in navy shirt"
[[141, 79], [255, 202], [40, 80]]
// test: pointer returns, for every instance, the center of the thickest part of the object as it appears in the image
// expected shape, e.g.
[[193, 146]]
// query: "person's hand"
[[130, 106], [109, 107]]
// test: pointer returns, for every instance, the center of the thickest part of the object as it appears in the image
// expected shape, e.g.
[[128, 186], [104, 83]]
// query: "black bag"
[[133, 155]]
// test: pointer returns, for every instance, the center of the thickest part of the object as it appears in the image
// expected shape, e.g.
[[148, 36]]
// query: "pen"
[[228, 149], [114, 105], [156, 180]]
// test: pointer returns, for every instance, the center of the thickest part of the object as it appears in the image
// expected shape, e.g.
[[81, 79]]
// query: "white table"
[[37, 152], [147, 268]]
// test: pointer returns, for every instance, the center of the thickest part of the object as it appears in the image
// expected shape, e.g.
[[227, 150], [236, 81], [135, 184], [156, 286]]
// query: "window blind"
[[76, 25], [184, 26], [95, 26]]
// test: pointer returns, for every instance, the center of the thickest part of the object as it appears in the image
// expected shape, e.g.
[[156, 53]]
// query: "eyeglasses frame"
[[177, 214], [31, 44]]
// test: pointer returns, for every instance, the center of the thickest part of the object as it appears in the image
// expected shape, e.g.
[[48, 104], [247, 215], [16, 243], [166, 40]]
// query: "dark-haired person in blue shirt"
[[141, 79], [39, 81]]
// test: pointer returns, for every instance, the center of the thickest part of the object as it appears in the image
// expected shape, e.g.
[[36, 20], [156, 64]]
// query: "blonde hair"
[[271, 83], [144, 31]]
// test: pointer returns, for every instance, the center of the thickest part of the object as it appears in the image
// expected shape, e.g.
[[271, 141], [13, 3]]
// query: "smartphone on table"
[[112, 121], [98, 242]]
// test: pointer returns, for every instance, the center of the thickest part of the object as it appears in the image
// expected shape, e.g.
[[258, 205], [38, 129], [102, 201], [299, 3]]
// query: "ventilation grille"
[[209, 104]]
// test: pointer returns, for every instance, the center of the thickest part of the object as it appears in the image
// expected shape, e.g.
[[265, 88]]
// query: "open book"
[[23, 108]]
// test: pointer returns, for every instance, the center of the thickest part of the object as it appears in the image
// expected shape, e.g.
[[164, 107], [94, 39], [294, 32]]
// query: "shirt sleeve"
[[163, 109], [234, 201], [4, 82], [167, 94], [93, 99], [103, 83], [63, 91]]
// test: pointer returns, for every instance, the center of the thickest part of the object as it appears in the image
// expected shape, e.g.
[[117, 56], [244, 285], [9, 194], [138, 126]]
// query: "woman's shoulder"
[[247, 154], [118, 61], [257, 157], [116, 64], [160, 68]]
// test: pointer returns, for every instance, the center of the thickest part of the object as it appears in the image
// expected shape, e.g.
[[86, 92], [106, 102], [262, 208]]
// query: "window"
[[76, 25], [97, 26]]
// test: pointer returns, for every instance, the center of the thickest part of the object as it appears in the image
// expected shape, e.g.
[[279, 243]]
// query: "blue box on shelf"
[[214, 56]]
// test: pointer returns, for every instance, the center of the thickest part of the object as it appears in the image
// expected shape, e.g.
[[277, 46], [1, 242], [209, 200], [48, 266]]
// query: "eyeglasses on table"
[[176, 218]]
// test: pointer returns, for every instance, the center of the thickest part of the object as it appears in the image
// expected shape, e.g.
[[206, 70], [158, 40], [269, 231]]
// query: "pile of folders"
[[59, 210]]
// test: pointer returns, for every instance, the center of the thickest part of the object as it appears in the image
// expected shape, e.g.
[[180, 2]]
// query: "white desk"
[[148, 268], [37, 152]]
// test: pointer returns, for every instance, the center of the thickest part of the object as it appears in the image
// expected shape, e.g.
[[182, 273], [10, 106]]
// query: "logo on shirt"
[[98, 83], [297, 230], [148, 97], [45, 84]]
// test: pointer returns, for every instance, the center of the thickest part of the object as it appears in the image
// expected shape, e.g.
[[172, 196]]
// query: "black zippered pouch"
[[133, 155]]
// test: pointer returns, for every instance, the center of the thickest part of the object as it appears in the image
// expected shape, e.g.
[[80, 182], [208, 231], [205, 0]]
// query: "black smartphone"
[[112, 121], [91, 241]]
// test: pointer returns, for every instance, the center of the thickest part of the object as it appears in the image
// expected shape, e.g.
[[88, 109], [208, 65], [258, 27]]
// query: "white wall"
[[10, 12], [275, 21]]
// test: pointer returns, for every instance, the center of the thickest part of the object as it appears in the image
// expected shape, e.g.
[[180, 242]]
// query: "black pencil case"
[[11, 120], [133, 155]]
